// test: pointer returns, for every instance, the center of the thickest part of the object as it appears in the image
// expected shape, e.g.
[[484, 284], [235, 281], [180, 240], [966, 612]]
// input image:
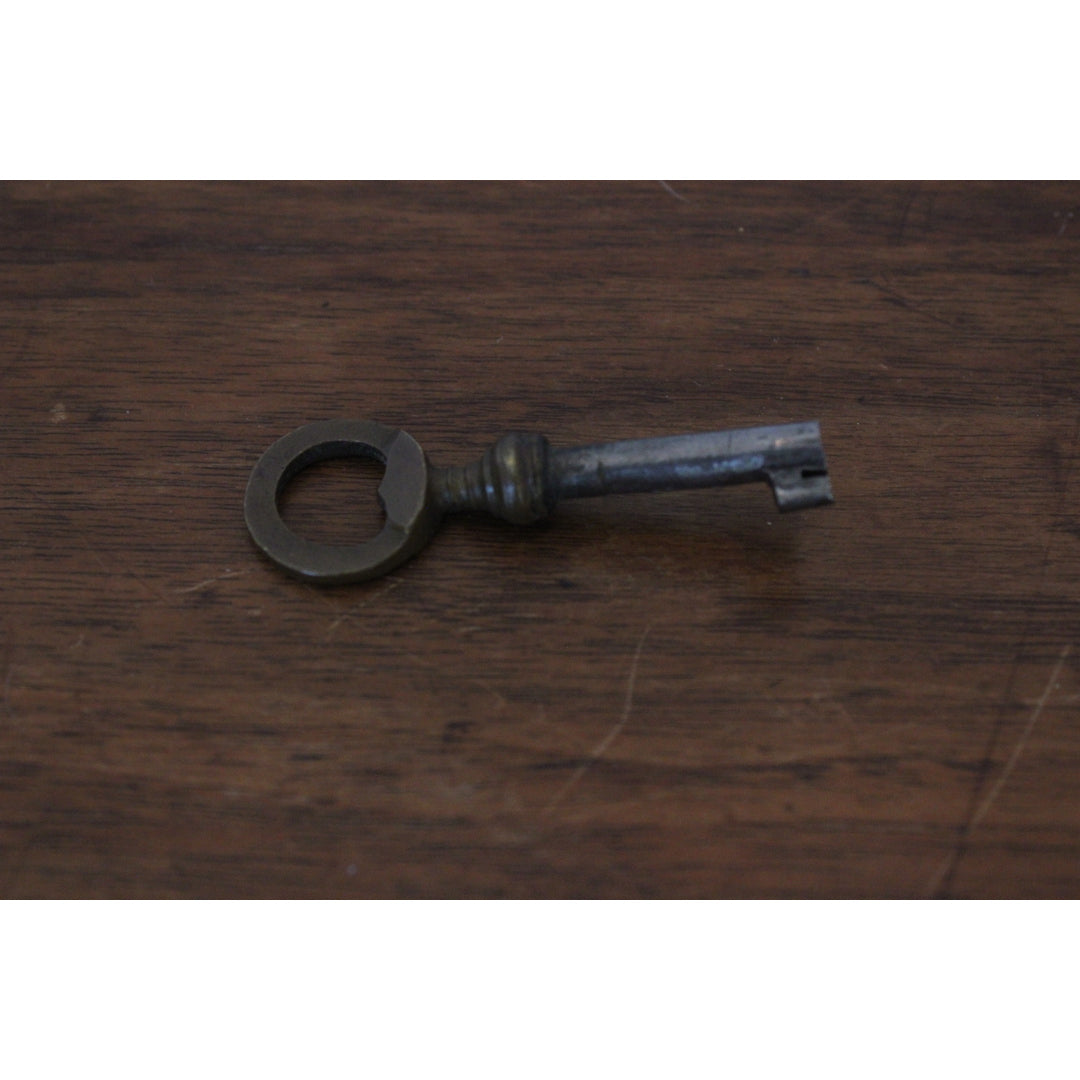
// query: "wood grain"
[[679, 695]]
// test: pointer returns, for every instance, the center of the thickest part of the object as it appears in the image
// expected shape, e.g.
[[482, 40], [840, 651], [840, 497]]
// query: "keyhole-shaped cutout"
[[335, 501]]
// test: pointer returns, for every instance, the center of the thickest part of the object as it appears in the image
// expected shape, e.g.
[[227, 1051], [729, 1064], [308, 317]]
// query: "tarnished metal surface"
[[411, 515], [519, 479]]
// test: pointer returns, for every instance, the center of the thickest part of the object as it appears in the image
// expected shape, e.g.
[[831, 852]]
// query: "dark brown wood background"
[[678, 695]]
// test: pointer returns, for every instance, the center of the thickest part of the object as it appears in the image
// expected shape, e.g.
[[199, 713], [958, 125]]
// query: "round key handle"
[[411, 517]]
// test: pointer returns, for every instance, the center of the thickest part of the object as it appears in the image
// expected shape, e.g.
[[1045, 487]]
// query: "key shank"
[[521, 477], [789, 456]]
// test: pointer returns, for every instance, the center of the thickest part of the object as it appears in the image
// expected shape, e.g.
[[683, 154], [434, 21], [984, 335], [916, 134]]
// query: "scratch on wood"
[[671, 191], [390, 585], [948, 863], [1014, 757], [601, 747], [493, 691], [908, 305], [210, 581], [128, 572]]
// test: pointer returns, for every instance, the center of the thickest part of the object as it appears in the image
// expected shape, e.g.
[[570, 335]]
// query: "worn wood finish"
[[670, 695]]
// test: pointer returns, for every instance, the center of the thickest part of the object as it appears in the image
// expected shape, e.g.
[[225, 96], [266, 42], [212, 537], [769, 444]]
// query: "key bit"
[[520, 479]]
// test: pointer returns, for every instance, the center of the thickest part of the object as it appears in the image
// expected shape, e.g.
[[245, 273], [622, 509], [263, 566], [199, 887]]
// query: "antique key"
[[519, 479]]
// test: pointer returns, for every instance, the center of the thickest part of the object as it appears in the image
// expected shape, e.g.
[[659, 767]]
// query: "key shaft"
[[521, 477], [789, 456]]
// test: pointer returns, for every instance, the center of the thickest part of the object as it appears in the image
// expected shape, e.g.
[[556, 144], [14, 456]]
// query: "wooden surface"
[[678, 695]]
